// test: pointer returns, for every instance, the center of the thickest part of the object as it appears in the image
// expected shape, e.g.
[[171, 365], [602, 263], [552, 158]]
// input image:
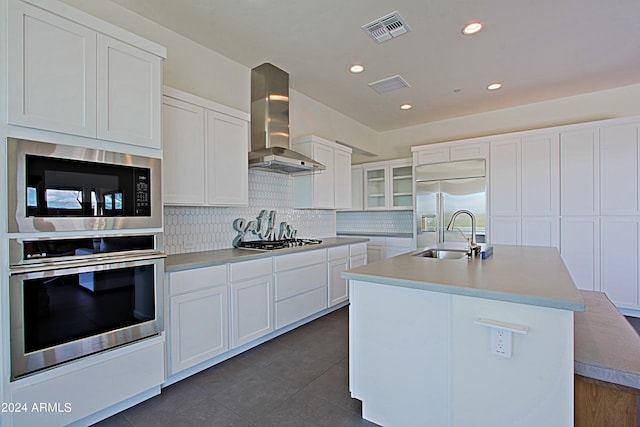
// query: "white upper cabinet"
[[580, 172], [327, 189], [52, 72], [129, 94], [184, 146], [227, 162], [357, 187], [540, 175], [619, 160], [505, 177], [450, 152], [205, 152], [524, 176], [67, 77], [388, 185]]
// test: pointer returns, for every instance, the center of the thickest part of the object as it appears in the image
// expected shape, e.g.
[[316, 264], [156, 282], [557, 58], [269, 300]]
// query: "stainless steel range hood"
[[270, 124]]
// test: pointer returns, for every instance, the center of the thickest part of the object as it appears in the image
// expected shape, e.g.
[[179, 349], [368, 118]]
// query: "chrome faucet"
[[473, 245]]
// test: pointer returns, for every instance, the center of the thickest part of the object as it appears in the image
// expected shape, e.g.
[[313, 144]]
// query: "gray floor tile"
[[298, 379]]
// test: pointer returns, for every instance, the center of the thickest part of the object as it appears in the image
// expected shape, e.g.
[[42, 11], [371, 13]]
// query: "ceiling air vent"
[[389, 84], [387, 27]]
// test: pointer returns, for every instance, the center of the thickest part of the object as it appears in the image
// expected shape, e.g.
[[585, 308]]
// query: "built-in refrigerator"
[[442, 189]]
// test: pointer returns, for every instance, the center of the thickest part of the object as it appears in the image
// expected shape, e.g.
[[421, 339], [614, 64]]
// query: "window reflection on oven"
[[65, 308]]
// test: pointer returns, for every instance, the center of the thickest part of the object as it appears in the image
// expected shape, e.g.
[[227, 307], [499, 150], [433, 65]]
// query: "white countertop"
[[606, 345], [519, 274], [191, 260]]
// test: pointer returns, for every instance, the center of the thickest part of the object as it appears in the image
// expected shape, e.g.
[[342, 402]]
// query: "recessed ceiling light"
[[406, 106], [494, 86], [471, 28], [356, 68]]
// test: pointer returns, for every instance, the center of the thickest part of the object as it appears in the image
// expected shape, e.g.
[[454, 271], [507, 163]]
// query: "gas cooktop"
[[270, 245]]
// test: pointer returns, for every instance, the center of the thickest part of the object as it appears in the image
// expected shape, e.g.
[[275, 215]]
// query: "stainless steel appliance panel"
[[20, 220], [442, 189], [55, 318]]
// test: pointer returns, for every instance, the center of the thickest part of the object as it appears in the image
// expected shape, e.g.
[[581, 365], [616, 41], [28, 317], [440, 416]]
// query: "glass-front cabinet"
[[388, 185]]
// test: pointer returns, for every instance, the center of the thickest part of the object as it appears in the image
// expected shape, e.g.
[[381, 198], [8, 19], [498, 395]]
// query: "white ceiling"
[[539, 50]]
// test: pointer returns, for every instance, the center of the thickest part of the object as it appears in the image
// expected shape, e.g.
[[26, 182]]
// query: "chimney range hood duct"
[[270, 124]]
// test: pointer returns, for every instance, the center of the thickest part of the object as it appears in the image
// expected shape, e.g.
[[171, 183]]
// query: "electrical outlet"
[[501, 342]]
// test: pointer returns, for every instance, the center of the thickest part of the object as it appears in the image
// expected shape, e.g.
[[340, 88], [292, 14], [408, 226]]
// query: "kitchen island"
[[464, 342]]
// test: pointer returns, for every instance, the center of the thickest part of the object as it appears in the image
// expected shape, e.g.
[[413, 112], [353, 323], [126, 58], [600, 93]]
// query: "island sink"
[[442, 254]]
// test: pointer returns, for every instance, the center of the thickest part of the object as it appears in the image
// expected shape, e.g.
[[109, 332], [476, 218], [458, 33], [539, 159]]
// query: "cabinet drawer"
[[300, 280], [249, 269], [337, 252], [358, 249], [300, 306], [198, 278], [287, 262]]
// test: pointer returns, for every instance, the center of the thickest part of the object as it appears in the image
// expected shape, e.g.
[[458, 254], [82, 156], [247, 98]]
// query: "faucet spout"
[[473, 245]]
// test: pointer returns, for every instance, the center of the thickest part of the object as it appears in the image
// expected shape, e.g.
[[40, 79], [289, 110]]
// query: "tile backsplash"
[[374, 222], [194, 229]]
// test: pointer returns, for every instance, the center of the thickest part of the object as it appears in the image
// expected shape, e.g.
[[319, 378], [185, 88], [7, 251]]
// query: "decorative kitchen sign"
[[263, 227]]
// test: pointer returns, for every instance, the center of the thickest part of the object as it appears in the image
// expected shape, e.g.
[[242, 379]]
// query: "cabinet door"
[[338, 287], [433, 155], [199, 327], [357, 260], [505, 177], [580, 250], [375, 187], [401, 187], [620, 240], [506, 230], [375, 253], [342, 179], [52, 72], [324, 181], [619, 160], [227, 163], [129, 94], [540, 175], [251, 309], [541, 231], [580, 172], [479, 150], [183, 153], [357, 187]]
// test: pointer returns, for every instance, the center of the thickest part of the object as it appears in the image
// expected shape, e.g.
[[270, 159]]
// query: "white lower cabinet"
[[251, 290], [357, 255], [620, 260], [88, 386], [580, 250], [395, 246], [213, 310], [300, 286], [337, 262], [199, 319]]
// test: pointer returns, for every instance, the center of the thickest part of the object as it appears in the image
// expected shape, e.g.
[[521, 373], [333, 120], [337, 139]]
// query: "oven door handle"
[[123, 260]]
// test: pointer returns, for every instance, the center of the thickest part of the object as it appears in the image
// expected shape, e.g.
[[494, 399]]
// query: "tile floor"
[[297, 379]]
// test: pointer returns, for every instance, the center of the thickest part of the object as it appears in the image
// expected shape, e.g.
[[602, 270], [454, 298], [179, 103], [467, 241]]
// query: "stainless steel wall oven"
[[85, 252], [72, 297], [54, 187]]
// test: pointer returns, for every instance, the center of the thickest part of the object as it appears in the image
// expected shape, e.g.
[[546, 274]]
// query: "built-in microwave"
[[53, 187]]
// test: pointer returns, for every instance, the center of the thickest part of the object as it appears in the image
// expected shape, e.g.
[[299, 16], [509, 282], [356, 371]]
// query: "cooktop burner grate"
[[269, 245]]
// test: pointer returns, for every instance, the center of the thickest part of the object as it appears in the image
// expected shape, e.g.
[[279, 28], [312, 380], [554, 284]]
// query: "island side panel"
[[400, 354], [532, 388]]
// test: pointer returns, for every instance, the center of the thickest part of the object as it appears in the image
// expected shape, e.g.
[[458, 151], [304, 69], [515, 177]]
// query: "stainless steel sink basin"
[[442, 254]]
